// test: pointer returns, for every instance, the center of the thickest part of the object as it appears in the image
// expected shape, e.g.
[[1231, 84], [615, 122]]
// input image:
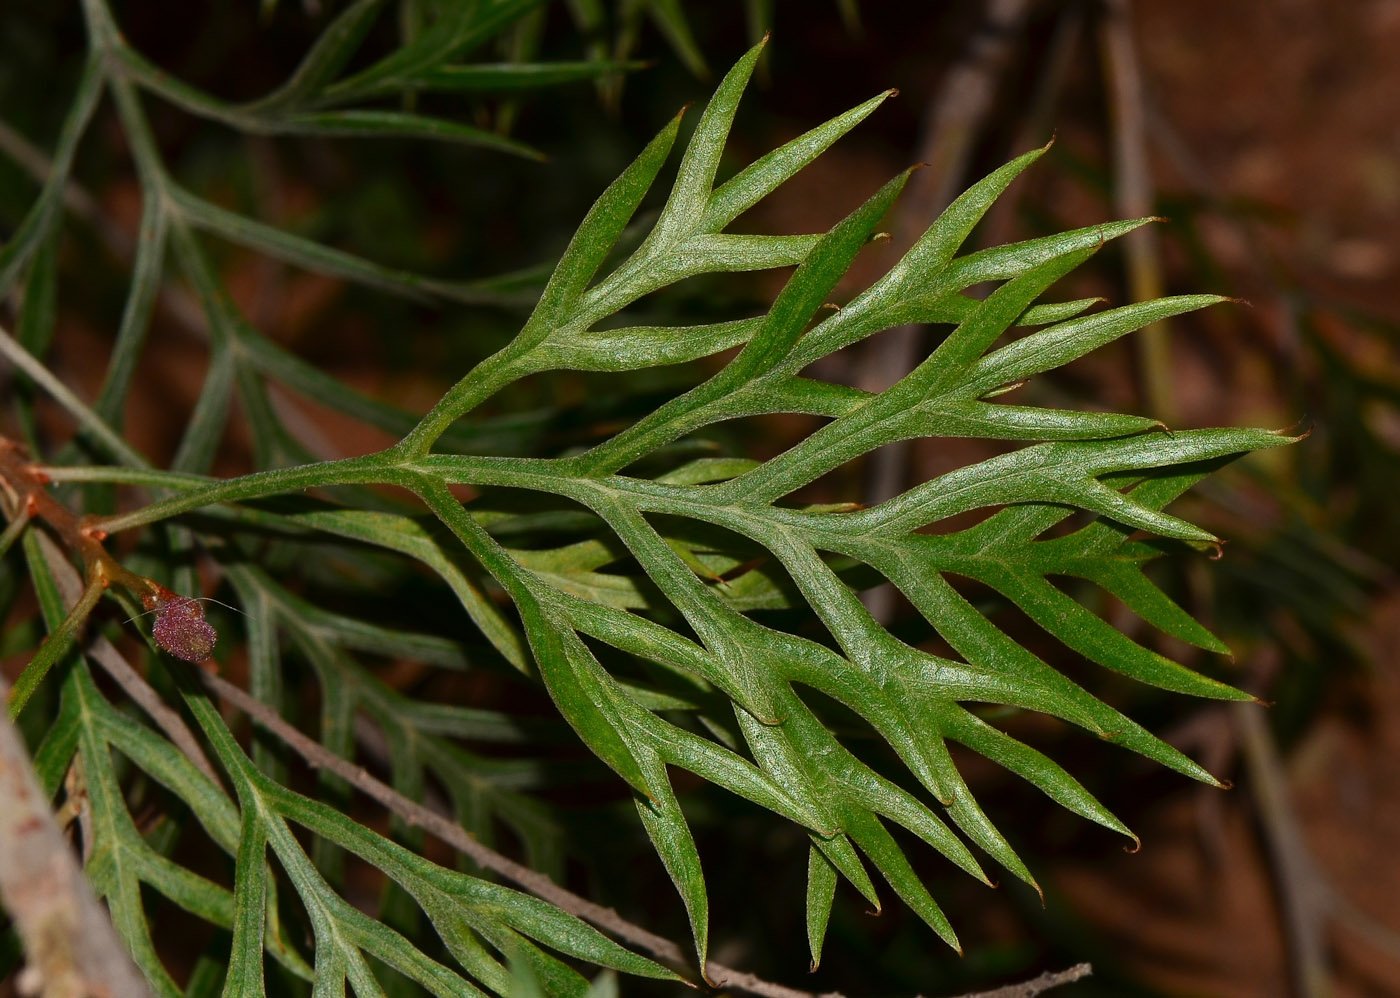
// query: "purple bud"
[[182, 630]]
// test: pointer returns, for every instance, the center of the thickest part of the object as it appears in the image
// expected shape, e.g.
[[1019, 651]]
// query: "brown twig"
[[75, 198], [1308, 899], [1133, 197], [70, 944], [76, 800], [1303, 895], [26, 485], [1038, 120], [1036, 985]]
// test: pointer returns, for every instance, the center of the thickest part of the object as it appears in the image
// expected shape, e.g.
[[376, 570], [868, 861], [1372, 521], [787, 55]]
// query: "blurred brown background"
[[1267, 132]]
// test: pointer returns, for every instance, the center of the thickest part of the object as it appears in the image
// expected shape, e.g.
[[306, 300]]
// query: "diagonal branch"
[[1037, 985], [1133, 192]]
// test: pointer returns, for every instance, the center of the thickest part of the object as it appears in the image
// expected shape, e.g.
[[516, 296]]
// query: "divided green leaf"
[[638, 570]]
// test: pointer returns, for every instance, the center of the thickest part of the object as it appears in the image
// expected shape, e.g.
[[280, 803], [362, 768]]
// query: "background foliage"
[[198, 168]]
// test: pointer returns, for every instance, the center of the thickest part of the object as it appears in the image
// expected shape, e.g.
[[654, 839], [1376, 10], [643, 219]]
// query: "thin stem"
[[1036, 985], [1133, 198], [113, 475], [1303, 897], [25, 488], [507, 365], [368, 470], [42, 214], [13, 530], [56, 645], [63, 395]]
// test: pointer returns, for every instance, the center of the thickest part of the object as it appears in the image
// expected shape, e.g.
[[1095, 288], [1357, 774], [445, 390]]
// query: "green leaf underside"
[[662, 564]]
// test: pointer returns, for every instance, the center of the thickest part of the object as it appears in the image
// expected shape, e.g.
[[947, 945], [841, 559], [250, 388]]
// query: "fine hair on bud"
[[181, 629]]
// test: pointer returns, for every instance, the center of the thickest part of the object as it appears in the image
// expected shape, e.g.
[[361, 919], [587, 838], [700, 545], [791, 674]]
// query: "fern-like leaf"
[[670, 608], [636, 613]]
